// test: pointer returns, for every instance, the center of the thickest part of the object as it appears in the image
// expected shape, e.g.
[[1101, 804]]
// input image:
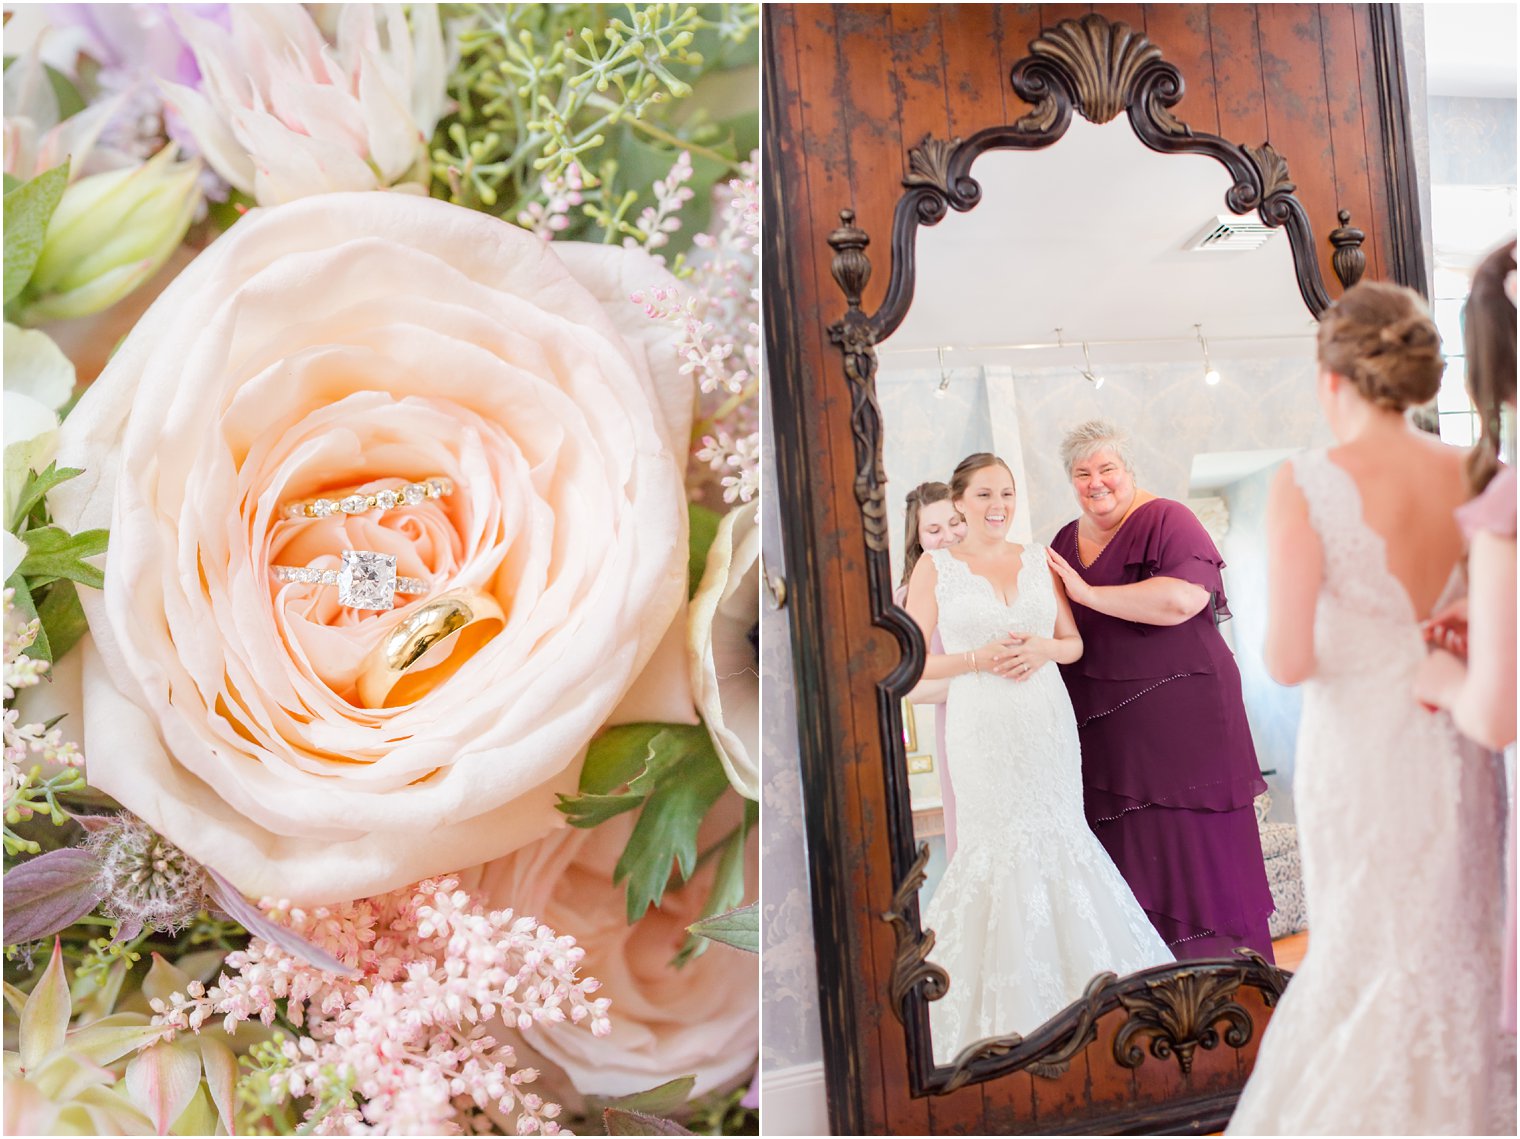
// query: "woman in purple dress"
[[1169, 772]]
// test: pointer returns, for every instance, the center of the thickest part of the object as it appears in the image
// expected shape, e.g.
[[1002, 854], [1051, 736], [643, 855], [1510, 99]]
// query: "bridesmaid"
[[932, 524], [1169, 771], [1474, 675]]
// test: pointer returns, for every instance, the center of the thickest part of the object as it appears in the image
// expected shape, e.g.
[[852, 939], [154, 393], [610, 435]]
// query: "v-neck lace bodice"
[[971, 612]]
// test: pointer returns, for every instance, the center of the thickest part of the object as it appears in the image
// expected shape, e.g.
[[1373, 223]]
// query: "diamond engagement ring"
[[353, 502], [365, 580]]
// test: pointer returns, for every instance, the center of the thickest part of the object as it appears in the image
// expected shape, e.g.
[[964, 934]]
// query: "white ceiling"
[[1089, 235], [1470, 49]]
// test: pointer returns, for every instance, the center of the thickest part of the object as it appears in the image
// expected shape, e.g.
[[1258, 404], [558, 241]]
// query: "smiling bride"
[[1031, 908]]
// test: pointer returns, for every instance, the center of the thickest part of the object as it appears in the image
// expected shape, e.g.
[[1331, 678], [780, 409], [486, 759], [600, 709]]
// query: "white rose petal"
[[36, 367], [724, 675]]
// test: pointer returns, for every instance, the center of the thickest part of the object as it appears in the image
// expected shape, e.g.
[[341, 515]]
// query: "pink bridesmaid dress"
[[1493, 511], [946, 788]]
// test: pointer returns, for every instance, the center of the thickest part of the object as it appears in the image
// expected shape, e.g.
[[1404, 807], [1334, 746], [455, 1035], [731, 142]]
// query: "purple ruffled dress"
[[1169, 771], [1493, 511]]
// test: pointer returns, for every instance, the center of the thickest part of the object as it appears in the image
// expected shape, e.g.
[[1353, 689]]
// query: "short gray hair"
[[1087, 439]]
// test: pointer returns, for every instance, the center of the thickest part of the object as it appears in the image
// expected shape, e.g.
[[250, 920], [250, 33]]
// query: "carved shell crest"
[[1102, 59]]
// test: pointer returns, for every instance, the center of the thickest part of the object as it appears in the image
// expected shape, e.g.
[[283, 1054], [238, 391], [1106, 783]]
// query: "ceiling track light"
[[1087, 372], [944, 377], [1210, 373]]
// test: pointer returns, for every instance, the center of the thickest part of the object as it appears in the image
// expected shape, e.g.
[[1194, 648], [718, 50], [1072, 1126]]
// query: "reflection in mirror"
[[1106, 811]]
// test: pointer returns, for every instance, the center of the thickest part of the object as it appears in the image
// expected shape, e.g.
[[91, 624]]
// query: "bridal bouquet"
[[381, 575]]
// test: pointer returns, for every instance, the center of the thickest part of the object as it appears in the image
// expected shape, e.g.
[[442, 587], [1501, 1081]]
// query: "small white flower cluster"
[[552, 215], [23, 742], [408, 1035]]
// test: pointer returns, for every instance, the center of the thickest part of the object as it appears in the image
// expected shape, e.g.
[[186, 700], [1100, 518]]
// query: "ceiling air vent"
[[1230, 234]]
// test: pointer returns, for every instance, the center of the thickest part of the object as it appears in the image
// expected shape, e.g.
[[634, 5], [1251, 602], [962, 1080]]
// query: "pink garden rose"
[[366, 339], [701, 1019]]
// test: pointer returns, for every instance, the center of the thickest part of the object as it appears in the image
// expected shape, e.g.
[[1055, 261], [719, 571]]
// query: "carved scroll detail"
[[1180, 1014], [929, 164], [909, 969]]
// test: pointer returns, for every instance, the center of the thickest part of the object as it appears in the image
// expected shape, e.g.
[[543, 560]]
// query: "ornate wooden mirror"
[[1168, 1048]]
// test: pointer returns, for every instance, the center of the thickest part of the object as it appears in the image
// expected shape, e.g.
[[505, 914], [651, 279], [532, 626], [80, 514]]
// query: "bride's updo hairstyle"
[[961, 479], [1382, 339]]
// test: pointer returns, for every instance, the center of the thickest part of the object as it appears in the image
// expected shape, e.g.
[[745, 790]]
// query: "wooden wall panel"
[[850, 88]]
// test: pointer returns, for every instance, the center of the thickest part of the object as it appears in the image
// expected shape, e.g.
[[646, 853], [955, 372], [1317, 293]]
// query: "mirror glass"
[[1133, 805]]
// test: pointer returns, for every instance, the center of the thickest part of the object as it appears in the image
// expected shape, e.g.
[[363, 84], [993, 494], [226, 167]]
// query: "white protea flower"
[[283, 114], [723, 648]]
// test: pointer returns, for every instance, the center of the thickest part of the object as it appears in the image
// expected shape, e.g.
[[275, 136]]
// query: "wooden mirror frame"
[[1097, 68]]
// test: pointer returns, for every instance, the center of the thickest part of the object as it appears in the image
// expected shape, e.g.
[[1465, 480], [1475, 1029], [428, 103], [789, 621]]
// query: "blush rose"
[[356, 340]]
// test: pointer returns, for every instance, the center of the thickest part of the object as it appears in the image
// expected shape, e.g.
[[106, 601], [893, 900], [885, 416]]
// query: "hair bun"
[[1382, 338]]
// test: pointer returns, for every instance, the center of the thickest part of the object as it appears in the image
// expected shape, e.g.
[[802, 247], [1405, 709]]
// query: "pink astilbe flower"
[[401, 1048], [552, 215], [717, 309], [659, 221]]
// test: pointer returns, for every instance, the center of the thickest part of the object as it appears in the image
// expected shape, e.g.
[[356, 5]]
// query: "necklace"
[[1108, 537]]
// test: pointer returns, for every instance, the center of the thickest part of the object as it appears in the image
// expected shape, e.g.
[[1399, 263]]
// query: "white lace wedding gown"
[[1031, 907], [1388, 1027]]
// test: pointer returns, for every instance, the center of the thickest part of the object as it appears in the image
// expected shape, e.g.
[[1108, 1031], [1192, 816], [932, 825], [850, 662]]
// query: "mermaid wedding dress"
[[1031, 907], [1384, 1030]]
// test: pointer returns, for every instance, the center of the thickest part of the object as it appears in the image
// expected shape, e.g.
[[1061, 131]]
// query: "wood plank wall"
[[849, 89]]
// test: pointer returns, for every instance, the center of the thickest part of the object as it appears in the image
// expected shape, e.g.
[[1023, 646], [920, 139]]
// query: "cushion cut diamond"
[[367, 580]]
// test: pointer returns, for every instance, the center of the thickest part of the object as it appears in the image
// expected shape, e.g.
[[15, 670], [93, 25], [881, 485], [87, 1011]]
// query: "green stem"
[[674, 140]]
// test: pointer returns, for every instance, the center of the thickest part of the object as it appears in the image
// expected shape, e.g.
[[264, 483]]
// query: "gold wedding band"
[[428, 647]]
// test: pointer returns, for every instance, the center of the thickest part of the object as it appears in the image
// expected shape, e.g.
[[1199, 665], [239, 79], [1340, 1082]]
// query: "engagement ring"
[[354, 502], [365, 580], [428, 646]]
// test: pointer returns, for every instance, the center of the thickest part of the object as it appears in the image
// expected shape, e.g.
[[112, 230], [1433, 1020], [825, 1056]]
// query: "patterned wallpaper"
[[1272, 710], [1171, 415], [1472, 141], [790, 1031]]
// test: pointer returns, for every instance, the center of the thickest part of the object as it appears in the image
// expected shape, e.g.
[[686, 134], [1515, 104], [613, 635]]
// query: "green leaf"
[[630, 755], [12, 182], [618, 756], [40, 649], [45, 1019], [739, 928], [728, 884], [28, 209], [63, 620], [53, 553], [688, 781], [618, 1122], [660, 1100], [704, 528], [36, 486], [70, 101]]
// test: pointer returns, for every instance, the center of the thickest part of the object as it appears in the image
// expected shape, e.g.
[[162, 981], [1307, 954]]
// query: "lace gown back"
[[1031, 907], [1380, 1030]]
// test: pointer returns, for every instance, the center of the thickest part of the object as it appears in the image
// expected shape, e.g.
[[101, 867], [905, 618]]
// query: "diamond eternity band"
[[411, 494]]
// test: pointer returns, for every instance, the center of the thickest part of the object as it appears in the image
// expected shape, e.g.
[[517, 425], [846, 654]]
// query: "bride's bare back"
[[1411, 486]]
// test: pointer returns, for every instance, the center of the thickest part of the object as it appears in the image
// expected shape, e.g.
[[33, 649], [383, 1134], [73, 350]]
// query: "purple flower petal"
[[49, 893]]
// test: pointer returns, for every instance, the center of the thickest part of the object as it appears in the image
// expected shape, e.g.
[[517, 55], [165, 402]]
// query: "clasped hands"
[[1442, 672], [1016, 655]]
